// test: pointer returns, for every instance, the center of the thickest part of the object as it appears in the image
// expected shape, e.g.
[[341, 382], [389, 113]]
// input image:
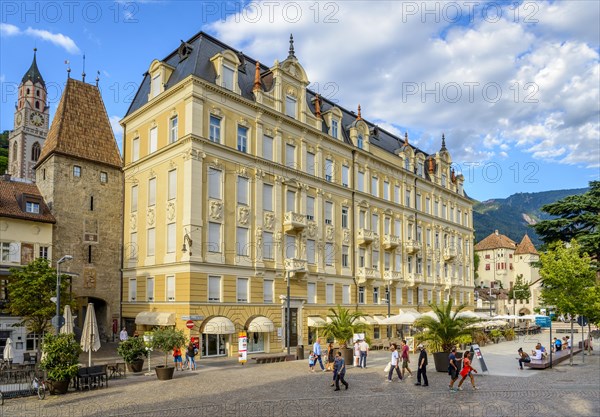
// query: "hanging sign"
[[242, 347]]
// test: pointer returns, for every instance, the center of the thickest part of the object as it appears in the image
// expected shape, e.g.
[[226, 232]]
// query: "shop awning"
[[316, 321], [261, 324], [218, 325], [154, 318], [369, 320]]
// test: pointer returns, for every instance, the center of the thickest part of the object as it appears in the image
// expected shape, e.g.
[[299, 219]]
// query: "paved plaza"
[[222, 387]]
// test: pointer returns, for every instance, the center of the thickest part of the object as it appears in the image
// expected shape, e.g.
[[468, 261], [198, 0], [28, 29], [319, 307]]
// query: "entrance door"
[[213, 345], [293, 326]]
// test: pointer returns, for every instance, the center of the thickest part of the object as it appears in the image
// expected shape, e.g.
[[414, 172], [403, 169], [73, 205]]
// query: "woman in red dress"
[[467, 371]]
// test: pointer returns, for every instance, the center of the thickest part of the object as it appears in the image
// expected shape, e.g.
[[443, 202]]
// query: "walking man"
[[452, 369], [394, 363], [123, 336], [317, 352], [364, 349], [405, 359], [422, 366], [339, 368]]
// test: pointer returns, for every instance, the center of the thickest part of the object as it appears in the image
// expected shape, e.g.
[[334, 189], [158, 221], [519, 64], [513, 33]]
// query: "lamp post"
[[60, 261], [389, 296], [287, 315]]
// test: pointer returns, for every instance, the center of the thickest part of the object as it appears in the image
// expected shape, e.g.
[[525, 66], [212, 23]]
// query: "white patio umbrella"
[[405, 317], [504, 317], [467, 315], [90, 339], [8, 353], [431, 314], [68, 326]]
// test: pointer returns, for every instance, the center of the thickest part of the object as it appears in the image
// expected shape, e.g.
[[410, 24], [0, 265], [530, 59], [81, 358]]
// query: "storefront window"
[[213, 345], [256, 342]]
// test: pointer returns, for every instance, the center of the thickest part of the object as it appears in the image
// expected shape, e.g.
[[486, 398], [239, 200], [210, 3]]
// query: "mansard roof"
[[81, 128]]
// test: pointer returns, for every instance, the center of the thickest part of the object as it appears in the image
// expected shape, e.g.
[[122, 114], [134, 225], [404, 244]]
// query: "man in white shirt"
[[123, 336], [364, 349], [394, 363], [317, 352]]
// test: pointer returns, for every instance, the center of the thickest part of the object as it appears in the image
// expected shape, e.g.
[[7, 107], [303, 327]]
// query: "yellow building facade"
[[238, 177]]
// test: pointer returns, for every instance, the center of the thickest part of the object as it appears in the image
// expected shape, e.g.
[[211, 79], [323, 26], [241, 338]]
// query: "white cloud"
[[116, 127], [56, 38], [529, 80], [7, 29]]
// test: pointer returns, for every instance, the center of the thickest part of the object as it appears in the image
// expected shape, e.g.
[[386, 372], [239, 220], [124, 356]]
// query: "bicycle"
[[38, 386]]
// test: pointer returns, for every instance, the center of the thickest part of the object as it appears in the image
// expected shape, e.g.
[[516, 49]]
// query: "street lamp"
[[287, 315], [60, 261]]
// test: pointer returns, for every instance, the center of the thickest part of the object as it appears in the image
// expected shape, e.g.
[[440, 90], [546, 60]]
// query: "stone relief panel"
[[312, 229], [243, 215], [133, 221], [346, 237], [150, 216], [171, 210], [215, 210], [329, 233], [269, 220]]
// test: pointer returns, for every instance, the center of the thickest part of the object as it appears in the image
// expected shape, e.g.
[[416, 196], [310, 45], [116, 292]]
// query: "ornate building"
[[239, 179], [32, 115], [79, 175]]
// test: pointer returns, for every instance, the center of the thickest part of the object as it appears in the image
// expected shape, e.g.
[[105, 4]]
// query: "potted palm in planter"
[[60, 360], [344, 324], [133, 351], [444, 331], [165, 340]]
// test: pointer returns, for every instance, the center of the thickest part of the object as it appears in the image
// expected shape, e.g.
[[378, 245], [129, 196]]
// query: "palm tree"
[[344, 324], [443, 332]]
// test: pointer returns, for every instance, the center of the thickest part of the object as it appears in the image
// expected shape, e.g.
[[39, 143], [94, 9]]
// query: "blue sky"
[[515, 89]]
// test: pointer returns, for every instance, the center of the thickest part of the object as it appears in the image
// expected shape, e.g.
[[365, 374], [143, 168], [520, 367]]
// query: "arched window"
[[37, 93], [28, 91], [35, 151], [360, 141], [37, 104]]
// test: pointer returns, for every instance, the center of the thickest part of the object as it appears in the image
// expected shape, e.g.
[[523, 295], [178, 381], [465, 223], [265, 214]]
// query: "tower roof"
[[81, 128], [526, 247], [33, 73], [495, 241]]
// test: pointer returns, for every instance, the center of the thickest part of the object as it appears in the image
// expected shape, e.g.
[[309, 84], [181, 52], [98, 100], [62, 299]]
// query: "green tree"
[[567, 278], [520, 289], [30, 290], [577, 218], [476, 260], [344, 324], [3, 151]]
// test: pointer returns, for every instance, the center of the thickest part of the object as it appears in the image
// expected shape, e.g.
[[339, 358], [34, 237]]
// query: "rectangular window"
[[345, 217], [345, 257], [409, 296], [150, 241], [387, 226], [171, 238], [375, 259], [310, 208], [290, 246], [311, 293], [214, 237], [310, 251], [310, 163], [428, 205], [329, 293], [328, 212], [420, 169], [170, 288], [290, 156], [268, 291], [398, 227], [242, 241], [76, 171], [361, 295], [228, 74], [151, 192], [444, 211], [328, 170], [345, 175], [386, 190], [409, 263], [346, 294], [375, 223], [376, 295], [172, 184], [267, 245], [135, 149], [419, 234], [334, 128], [173, 127], [267, 148], [214, 289], [407, 198], [360, 181], [419, 296], [397, 194], [103, 177], [329, 254], [133, 248], [419, 265], [43, 252], [132, 295], [374, 186], [32, 207], [398, 263], [290, 106], [242, 190], [215, 182], [267, 197], [290, 201], [242, 139], [150, 289], [214, 131], [155, 85], [153, 142], [362, 219], [436, 207], [398, 295], [418, 202], [386, 261], [361, 257], [443, 180], [242, 290]]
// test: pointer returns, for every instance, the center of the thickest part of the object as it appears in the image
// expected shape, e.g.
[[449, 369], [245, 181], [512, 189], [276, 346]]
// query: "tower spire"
[[359, 116], [33, 73], [443, 149], [291, 51], [83, 73], [97, 78]]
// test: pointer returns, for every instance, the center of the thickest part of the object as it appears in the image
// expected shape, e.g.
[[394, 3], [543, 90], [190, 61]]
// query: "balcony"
[[299, 266], [367, 274], [410, 279], [390, 242], [412, 246], [449, 254], [392, 275], [365, 236], [293, 222]]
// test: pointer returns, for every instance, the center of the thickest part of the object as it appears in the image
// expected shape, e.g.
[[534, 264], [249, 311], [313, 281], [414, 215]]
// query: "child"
[[177, 359], [311, 361]]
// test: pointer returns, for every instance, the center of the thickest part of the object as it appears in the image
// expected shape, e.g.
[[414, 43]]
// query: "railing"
[[392, 275], [366, 274], [365, 236], [293, 221], [412, 246], [449, 253], [390, 241], [16, 381], [297, 265]]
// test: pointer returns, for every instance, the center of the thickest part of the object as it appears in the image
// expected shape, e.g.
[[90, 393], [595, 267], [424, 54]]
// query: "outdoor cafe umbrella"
[[68, 326], [432, 315], [8, 353], [405, 317], [90, 339]]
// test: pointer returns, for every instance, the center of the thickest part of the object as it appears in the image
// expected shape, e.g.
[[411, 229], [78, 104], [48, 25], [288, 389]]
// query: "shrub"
[[61, 356], [132, 349]]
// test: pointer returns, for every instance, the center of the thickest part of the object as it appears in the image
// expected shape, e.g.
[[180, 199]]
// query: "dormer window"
[[334, 128], [406, 163], [31, 207], [360, 142], [227, 79], [420, 169], [155, 87], [226, 64], [290, 106], [159, 75]]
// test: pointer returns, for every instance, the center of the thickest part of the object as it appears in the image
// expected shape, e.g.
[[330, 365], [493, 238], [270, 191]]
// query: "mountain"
[[512, 216]]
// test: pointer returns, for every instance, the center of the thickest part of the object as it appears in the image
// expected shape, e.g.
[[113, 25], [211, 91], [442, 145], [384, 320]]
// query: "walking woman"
[[330, 357], [467, 371], [189, 356]]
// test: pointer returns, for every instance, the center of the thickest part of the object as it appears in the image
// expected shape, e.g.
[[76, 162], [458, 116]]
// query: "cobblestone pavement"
[[225, 388]]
